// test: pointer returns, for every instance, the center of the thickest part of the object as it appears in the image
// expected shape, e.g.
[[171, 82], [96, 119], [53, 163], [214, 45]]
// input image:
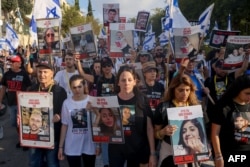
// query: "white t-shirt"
[[78, 138], [62, 79]]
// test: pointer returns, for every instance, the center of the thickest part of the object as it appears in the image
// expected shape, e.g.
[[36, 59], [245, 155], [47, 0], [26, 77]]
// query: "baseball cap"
[[15, 58], [148, 66], [45, 63]]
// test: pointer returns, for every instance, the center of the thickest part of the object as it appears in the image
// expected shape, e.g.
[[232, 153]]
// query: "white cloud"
[[128, 8]]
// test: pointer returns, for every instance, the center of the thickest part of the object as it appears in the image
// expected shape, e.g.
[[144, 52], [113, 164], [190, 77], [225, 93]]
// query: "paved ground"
[[10, 156]]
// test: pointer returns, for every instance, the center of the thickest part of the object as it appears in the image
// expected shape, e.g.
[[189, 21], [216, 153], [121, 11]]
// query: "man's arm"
[[2, 94]]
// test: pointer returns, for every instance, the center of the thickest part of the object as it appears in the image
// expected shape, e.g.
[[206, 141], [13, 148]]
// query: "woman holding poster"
[[138, 149], [76, 139], [231, 124], [181, 92]]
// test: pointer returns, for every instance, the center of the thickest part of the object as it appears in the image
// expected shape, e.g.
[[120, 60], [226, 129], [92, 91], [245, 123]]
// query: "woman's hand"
[[60, 154], [169, 130], [195, 145], [95, 110], [56, 118], [219, 162]]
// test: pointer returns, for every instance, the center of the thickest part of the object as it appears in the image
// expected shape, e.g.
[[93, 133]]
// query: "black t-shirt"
[[105, 86], [15, 81], [135, 134], [59, 95], [234, 120], [154, 94]]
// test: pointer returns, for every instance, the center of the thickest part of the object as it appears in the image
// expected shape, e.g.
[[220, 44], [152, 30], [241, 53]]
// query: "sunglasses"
[[106, 65], [50, 35]]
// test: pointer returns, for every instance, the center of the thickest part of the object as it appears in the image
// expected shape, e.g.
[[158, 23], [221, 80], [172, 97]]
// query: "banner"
[[142, 21], [83, 41], [189, 141], [219, 38], [121, 39], [36, 114], [235, 53], [106, 119]]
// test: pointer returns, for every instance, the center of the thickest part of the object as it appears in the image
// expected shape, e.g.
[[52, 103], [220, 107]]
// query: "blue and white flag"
[[103, 34], [136, 39], [2, 43], [33, 30], [204, 20], [149, 29], [229, 23], [216, 27], [11, 37], [149, 41], [163, 39], [178, 19], [47, 9]]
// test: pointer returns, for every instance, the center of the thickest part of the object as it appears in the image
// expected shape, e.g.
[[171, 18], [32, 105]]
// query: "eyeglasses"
[[106, 65], [50, 35]]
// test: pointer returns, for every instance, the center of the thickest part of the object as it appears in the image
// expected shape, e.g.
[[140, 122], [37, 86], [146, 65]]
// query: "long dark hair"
[[105, 129]]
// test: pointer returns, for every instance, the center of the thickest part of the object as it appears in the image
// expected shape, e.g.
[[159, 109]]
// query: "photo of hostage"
[[122, 43], [107, 121], [186, 46], [111, 16], [83, 43], [241, 122], [49, 40], [126, 116], [192, 138], [35, 122]]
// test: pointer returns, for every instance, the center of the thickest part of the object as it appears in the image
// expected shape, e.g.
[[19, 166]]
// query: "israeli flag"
[[47, 9], [11, 37], [229, 23], [33, 30], [163, 39], [103, 34], [2, 43], [136, 39], [149, 41], [204, 20]]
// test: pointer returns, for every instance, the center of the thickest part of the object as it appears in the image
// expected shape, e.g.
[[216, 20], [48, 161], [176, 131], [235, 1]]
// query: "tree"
[[77, 5]]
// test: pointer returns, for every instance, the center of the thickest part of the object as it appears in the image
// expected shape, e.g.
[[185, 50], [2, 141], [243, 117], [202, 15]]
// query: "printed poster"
[[106, 120], [142, 21], [218, 38], [186, 42], [48, 33], [235, 52], [84, 41], [36, 114], [111, 13], [121, 39], [190, 133]]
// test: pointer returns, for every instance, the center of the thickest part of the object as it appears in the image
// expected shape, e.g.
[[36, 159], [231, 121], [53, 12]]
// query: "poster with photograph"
[[111, 13], [48, 34], [106, 120], [235, 52], [67, 43], [142, 21], [121, 39], [36, 114], [218, 38], [189, 140], [84, 41], [186, 42]]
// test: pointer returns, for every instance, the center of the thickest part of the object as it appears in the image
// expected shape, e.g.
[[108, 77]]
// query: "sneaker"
[[1, 132]]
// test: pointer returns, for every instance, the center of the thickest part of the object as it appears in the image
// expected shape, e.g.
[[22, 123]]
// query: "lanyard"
[[50, 87]]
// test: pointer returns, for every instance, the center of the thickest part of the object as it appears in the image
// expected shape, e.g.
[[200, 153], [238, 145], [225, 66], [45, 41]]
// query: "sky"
[[128, 8]]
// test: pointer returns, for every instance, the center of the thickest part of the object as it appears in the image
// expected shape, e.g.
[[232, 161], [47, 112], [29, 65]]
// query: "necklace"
[[50, 87], [238, 110]]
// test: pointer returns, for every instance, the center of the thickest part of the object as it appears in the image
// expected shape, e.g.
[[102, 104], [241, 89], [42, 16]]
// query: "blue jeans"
[[105, 156], [39, 156], [13, 115]]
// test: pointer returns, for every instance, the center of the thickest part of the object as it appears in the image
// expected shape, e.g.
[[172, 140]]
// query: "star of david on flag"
[[11, 37], [47, 9]]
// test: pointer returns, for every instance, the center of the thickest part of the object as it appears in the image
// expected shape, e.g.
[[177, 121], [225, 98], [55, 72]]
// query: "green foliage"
[[9, 5]]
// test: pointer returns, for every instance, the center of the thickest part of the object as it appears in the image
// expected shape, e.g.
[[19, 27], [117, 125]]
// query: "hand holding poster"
[[189, 140], [106, 120], [36, 114]]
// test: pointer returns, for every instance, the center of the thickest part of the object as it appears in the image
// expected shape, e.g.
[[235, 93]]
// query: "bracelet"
[[158, 135], [218, 158]]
